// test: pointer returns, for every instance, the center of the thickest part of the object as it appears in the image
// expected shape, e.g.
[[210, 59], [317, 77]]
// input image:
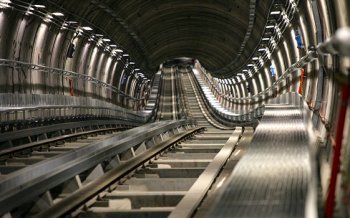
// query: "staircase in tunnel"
[[276, 175], [158, 188], [270, 170]]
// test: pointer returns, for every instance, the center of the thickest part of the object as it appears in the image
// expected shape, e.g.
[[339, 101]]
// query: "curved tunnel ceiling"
[[153, 31]]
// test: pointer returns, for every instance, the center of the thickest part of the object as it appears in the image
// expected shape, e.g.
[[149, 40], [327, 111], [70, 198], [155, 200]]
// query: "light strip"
[[87, 28], [58, 14], [39, 6], [275, 12]]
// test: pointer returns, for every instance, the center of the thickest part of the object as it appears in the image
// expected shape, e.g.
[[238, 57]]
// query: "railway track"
[[197, 106], [168, 100], [158, 187], [159, 170], [155, 189], [52, 180], [21, 156]]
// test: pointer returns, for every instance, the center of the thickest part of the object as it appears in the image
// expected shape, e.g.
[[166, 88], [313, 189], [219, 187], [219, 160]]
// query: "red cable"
[[300, 90], [71, 87], [336, 155]]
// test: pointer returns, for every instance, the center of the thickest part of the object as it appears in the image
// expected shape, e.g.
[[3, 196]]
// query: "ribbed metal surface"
[[197, 106], [274, 176]]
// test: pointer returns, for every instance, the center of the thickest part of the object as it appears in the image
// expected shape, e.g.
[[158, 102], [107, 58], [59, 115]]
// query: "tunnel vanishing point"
[[163, 108]]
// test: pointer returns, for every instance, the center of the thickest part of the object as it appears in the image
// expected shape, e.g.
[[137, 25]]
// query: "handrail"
[[41, 68], [78, 198], [40, 12], [227, 117], [22, 107], [154, 90], [36, 179], [181, 106], [23, 133], [16, 149], [152, 105], [204, 109], [338, 44], [284, 18]]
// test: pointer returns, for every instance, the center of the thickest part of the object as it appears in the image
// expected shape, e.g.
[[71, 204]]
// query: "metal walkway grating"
[[274, 178]]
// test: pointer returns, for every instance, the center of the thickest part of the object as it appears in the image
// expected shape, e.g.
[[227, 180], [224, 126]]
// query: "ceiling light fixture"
[[58, 14], [99, 42], [39, 6], [4, 3], [87, 28], [268, 53], [275, 12], [261, 61], [30, 10], [47, 18]]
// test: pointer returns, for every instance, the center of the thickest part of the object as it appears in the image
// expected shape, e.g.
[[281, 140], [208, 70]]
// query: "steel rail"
[[23, 185], [17, 108], [41, 68], [37, 108], [206, 113], [8, 136], [12, 151], [78, 198], [199, 189], [225, 116]]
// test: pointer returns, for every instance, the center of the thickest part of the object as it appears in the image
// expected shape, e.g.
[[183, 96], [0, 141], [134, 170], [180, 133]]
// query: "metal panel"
[[276, 177]]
